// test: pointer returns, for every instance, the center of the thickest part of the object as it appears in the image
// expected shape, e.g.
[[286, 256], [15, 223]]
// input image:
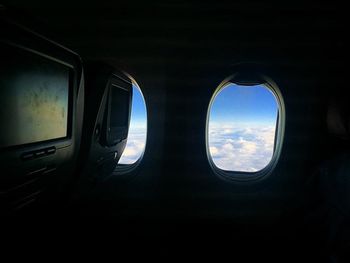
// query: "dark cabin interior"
[[179, 52]]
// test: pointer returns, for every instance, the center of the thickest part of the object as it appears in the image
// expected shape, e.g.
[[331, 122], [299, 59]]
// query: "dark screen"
[[119, 107], [34, 93]]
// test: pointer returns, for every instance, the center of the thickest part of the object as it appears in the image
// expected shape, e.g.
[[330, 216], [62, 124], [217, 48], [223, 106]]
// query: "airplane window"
[[136, 142], [241, 129]]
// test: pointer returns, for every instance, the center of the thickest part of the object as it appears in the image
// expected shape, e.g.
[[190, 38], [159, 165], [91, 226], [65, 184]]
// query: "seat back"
[[41, 98], [106, 122]]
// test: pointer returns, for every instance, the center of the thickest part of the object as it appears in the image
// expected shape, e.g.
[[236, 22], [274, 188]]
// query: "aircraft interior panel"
[[235, 142]]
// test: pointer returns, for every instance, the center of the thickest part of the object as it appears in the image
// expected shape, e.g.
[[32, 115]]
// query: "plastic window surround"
[[248, 177]]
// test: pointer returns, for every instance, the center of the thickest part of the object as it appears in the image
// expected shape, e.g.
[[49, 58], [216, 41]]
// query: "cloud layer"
[[243, 148], [233, 148], [134, 146]]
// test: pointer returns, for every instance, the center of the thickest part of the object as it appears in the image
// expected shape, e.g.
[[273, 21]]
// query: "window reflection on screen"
[[34, 98]]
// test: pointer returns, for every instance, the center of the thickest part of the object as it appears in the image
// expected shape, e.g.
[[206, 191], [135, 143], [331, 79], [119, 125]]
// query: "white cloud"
[[213, 151], [244, 148], [134, 146]]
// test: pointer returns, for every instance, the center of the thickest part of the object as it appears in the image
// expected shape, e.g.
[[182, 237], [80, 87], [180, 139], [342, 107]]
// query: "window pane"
[[242, 125], [137, 130]]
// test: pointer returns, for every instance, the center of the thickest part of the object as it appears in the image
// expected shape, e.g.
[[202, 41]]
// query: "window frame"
[[241, 176], [123, 169]]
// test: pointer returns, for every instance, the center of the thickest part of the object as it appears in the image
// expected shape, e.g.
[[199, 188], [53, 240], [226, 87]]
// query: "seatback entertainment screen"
[[34, 97], [120, 99]]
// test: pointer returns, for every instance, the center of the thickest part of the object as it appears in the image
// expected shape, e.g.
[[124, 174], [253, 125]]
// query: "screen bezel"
[[120, 131], [72, 82]]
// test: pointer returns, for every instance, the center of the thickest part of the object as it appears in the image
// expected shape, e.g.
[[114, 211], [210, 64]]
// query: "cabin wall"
[[179, 53]]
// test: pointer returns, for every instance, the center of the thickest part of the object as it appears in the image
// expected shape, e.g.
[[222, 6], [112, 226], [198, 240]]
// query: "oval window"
[[244, 129], [137, 135]]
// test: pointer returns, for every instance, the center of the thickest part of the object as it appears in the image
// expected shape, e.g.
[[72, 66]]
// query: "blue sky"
[[138, 110], [242, 127], [138, 129], [244, 104]]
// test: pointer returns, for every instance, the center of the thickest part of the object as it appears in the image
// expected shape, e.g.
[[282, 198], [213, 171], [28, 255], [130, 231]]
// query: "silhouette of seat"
[[106, 122]]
